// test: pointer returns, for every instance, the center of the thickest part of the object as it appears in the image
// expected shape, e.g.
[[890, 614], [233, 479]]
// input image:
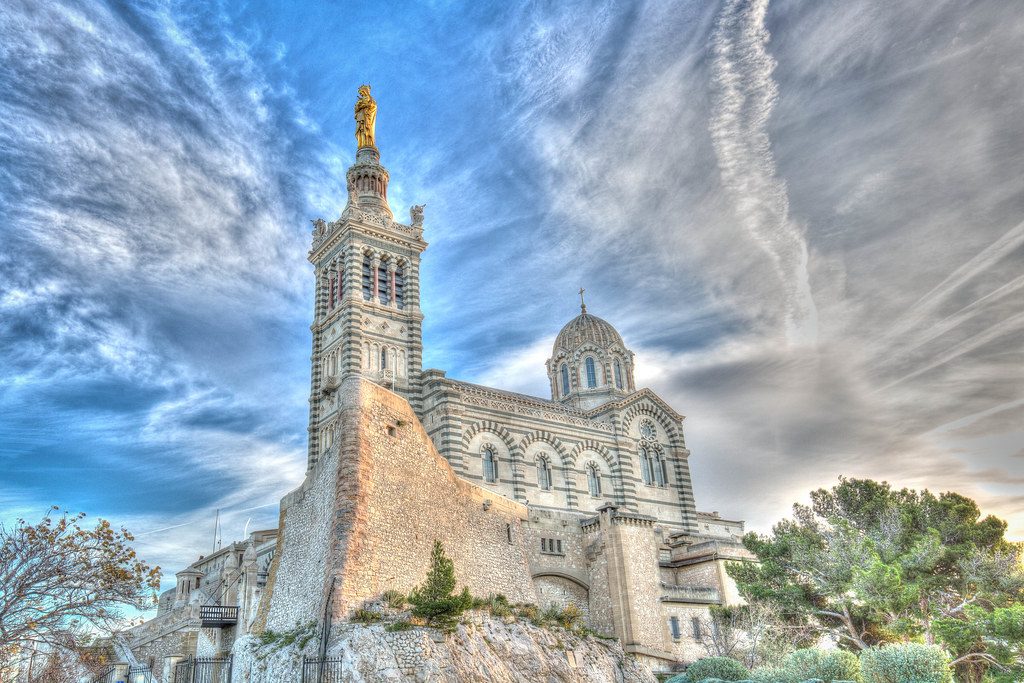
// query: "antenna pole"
[[216, 526]]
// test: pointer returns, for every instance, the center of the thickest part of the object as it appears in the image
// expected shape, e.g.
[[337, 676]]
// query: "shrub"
[[529, 612], [498, 606], [436, 600], [827, 665], [905, 663], [550, 614], [678, 678], [399, 626], [770, 674], [570, 616], [717, 667], [365, 616], [394, 599]]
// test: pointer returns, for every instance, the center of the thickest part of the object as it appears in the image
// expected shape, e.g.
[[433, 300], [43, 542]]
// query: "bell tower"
[[366, 313]]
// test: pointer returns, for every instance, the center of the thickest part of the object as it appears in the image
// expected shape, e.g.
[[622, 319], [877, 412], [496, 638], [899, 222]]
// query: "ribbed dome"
[[586, 328]]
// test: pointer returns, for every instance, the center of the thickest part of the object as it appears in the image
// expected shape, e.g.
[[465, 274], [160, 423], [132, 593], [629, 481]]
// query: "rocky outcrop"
[[484, 649]]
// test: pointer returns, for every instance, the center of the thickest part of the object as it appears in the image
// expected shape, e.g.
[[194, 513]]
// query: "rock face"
[[485, 650]]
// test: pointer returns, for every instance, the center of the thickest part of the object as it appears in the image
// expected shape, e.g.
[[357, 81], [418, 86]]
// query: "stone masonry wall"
[[297, 584], [395, 495]]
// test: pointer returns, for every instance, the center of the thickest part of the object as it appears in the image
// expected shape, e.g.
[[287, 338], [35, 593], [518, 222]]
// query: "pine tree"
[[435, 600]]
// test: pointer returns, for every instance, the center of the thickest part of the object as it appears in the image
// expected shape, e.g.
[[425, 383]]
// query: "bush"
[[498, 606], [717, 667], [365, 616], [435, 600], [678, 678], [905, 663], [399, 626], [826, 665], [570, 616], [394, 599], [770, 674]]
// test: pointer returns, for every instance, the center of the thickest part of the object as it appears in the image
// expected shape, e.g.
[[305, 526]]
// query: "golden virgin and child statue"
[[366, 118]]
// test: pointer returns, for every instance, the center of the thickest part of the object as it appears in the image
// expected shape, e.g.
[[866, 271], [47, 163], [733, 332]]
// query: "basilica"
[[583, 497]]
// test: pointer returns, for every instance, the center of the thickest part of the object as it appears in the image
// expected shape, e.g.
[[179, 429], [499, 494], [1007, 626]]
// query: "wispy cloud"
[[728, 180]]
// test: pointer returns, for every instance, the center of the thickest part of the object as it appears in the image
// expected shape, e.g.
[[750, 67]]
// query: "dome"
[[586, 328]]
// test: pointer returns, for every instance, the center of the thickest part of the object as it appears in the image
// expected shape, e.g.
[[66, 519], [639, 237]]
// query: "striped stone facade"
[[601, 468]]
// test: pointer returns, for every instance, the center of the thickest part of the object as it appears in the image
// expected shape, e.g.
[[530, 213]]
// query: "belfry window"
[[543, 473], [490, 464], [400, 287], [565, 379], [383, 296], [594, 480], [367, 279], [591, 373], [618, 375], [384, 358]]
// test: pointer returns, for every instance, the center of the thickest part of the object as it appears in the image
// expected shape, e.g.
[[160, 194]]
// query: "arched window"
[[645, 465], [544, 473], [383, 295], [565, 379], [618, 375], [367, 279], [659, 469], [490, 464], [400, 287], [594, 479], [384, 358], [591, 373]]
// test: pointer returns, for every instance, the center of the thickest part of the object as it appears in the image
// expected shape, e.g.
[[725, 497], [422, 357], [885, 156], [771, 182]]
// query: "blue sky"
[[804, 218]]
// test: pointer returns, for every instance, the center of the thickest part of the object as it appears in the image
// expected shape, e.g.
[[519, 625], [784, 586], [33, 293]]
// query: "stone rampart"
[[396, 494]]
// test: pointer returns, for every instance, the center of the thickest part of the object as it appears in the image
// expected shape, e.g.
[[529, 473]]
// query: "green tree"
[[58, 579], [435, 600], [870, 565]]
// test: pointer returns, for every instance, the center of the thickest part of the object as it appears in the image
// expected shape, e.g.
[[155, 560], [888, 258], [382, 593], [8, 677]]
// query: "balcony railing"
[[218, 616]]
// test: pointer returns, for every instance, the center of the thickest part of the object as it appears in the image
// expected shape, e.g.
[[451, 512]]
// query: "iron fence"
[[321, 670], [203, 670], [106, 677]]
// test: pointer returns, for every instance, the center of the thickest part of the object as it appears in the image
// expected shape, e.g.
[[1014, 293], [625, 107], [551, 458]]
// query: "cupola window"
[[591, 373], [618, 375], [565, 379], [490, 464], [544, 473]]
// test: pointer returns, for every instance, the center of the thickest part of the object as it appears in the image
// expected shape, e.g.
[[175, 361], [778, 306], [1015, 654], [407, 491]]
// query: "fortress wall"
[[395, 494], [297, 584]]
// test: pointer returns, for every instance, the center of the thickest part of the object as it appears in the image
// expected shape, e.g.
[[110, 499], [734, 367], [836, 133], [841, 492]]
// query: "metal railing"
[[106, 677], [140, 673], [321, 669], [203, 670], [214, 616]]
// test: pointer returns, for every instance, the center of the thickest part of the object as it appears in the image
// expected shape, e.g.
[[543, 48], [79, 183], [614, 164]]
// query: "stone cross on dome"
[[583, 306]]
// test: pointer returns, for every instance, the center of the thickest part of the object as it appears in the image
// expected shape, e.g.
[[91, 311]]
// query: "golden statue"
[[366, 118]]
